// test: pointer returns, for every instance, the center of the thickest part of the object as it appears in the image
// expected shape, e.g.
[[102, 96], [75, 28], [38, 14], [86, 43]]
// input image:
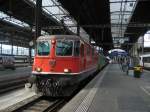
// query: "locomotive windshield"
[[43, 48], [64, 47]]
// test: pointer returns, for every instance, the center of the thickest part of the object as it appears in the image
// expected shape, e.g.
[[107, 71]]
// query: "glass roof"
[[121, 12], [55, 10], [10, 19]]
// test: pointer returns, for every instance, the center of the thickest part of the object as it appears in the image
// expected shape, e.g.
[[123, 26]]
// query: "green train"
[[102, 61]]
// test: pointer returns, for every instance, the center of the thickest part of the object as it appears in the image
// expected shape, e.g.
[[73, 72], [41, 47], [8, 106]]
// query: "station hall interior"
[[96, 50]]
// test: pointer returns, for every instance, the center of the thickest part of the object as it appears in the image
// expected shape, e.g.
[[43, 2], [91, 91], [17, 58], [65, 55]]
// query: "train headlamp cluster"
[[67, 70], [38, 69]]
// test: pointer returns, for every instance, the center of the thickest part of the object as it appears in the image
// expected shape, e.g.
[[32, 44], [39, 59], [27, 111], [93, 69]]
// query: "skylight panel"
[[55, 10], [12, 20]]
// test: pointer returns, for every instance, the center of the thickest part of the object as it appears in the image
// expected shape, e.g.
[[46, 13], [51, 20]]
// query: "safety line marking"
[[84, 106], [148, 93]]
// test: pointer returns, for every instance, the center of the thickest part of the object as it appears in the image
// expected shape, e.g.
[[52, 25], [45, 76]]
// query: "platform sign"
[[116, 53], [120, 38]]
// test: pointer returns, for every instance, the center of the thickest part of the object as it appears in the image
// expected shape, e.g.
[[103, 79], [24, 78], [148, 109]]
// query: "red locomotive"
[[62, 61]]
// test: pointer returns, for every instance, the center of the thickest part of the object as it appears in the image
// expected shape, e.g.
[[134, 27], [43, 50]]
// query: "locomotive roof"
[[49, 37]]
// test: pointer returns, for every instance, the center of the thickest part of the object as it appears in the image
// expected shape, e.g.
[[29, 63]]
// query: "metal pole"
[[63, 24], [78, 30], [142, 45], [30, 55], [12, 49], [38, 11], [1, 47], [17, 51], [143, 48]]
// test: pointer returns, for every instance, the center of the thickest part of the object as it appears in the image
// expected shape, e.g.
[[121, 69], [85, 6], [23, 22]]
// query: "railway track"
[[11, 84], [46, 104], [42, 104]]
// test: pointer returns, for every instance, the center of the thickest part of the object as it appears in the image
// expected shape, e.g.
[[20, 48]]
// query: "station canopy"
[[92, 16], [107, 22], [130, 20], [121, 12], [19, 16], [139, 23]]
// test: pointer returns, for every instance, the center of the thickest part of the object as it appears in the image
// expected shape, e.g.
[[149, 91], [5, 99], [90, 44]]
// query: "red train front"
[[61, 62]]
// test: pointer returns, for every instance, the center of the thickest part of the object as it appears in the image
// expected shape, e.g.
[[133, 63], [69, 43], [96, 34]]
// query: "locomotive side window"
[[76, 48], [88, 50], [82, 50], [93, 51], [64, 48], [43, 48]]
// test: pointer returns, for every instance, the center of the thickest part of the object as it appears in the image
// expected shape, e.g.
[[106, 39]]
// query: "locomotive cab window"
[[64, 47], [43, 48]]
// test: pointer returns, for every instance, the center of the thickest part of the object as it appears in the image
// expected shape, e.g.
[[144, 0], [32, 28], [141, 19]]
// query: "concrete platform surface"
[[13, 74], [14, 97], [113, 91]]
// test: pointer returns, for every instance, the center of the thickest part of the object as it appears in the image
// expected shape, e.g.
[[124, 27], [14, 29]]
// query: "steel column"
[[63, 25], [12, 49], [38, 11], [30, 55], [78, 30], [1, 47], [17, 51], [143, 48]]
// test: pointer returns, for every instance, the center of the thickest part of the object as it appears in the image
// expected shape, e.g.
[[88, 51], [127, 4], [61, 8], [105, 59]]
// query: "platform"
[[15, 99], [113, 91], [13, 74]]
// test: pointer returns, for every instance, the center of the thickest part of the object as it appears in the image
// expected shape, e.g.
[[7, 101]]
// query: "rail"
[[12, 84], [42, 104]]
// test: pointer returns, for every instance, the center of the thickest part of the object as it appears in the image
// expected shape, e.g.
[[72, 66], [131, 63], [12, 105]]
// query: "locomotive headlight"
[[38, 69], [67, 70]]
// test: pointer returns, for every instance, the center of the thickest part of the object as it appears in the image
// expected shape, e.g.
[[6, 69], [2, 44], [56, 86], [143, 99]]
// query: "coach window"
[[64, 47], [76, 48], [43, 48]]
